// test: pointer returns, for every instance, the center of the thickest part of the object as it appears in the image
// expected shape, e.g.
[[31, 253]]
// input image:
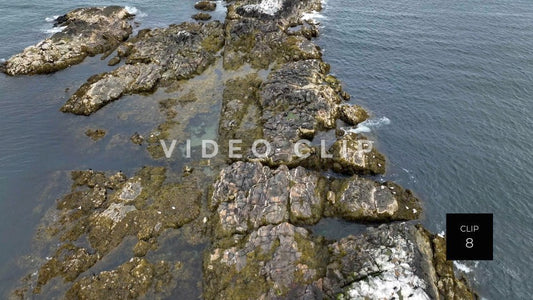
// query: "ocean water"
[[455, 79], [449, 83]]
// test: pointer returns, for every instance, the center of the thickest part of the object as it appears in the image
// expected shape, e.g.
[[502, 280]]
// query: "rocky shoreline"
[[249, 219]]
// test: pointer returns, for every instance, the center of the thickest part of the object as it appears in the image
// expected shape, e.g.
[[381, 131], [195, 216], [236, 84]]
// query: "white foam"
[[312, 16], [441, 234], [2, 60], [462, 267], [132, 10], [368, 125], [51, 19], [55, 29]]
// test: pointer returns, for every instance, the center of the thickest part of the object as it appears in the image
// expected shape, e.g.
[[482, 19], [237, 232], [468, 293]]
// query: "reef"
[[243, 224], [85, 32]]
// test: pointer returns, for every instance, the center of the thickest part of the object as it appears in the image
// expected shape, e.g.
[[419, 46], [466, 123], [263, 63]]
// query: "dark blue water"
[[454, 77], [456, 80]]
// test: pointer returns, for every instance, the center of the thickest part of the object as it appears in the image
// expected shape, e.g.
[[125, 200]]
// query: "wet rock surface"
[[260, 250], [355, 154], [239, 227], [153, 58], [250, 195], [201, 17], [100, 213], [205, 5], [257, 33], [95, 134], [87, 32], [391, 261]]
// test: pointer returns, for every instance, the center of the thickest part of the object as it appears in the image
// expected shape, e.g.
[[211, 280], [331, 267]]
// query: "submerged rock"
[[130, 280], [104, 210], [95, 134], [201, 17], [86, 32], [153, 58]]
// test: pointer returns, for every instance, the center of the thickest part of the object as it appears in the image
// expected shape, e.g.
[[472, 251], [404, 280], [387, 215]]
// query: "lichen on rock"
[[154, 57], [86, 32]]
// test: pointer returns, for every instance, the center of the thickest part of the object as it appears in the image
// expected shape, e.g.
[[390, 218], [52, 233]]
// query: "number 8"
[[469, 243]]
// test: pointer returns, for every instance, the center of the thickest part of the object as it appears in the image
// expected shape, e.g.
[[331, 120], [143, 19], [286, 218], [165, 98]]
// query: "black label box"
[[469, 237]]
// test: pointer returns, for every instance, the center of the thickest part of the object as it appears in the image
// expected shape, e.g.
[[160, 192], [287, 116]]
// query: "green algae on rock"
[[201, 17], [257, 33], [205, 5], [87, 32], [154, 57], [95, 134], [104, 210]]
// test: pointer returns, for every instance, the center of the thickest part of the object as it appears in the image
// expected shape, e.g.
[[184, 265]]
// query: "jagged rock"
[[355, 154], [87, 32], [270, 263], [205, 5], [105, 209], [240, 117], [296, 101], [249, 195], [114, 61], [137, 139], [364, 200], [154, 57], [256, 33], [130, 280], [201, 17], [391, 261], [353, 114]]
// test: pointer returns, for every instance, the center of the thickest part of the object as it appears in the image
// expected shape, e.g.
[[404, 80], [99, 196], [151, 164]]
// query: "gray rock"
[[267, 264], [249, 195], [356, 154], [153, 58], [87, 32], [353, 114], [391, 261], [205, 5], [257, 33], [360, 199]]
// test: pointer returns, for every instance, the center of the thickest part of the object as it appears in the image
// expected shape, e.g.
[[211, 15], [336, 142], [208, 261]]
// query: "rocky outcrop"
[[250, 195], [259, 250], [257, 33], [270, 263], [154, 57], [296, 102], [391, 261], [85, 32], [104, 210], [201, 17], [205, 5], [130, 280], [355, 154]]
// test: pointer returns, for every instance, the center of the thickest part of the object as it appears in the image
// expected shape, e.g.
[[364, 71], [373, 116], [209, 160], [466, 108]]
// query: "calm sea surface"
[[449, 83]]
